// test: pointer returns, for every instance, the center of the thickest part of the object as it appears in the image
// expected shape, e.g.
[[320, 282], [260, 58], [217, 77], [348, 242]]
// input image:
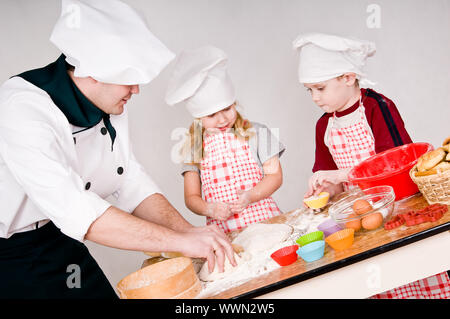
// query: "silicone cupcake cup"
[[312, 251], [286, 255], [342, 239], [309, 238], [329, 227]]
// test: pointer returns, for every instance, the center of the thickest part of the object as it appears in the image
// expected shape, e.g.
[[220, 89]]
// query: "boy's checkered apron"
[[226, 167], [351, 145]]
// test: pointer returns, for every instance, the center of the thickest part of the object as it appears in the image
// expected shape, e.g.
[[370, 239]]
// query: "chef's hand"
[[218, 210], [208, 242], [241, 204], [210, 228]]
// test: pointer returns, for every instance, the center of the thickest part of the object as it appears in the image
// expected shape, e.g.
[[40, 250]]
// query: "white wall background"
[[411, 67]]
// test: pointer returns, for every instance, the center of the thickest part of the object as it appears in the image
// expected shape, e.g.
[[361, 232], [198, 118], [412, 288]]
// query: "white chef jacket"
[[52, 170]]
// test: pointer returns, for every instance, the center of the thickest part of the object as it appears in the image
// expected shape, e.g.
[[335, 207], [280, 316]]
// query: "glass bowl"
[[381, 198]]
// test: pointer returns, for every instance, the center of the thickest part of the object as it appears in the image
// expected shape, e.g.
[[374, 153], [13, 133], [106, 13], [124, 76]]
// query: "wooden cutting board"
[[366, 245]]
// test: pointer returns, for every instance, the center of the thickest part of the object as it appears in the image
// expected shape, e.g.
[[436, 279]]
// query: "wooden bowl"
[[171, 278], [164, 254]]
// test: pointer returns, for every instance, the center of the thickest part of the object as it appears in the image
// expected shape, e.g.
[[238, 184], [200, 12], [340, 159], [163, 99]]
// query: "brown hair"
[[192, 150]]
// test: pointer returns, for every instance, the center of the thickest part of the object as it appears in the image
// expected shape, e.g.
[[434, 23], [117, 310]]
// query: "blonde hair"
[[192, 151]]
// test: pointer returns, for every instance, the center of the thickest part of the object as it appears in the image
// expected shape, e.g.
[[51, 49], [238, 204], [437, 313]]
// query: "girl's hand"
[[242, 202], [218, 210]]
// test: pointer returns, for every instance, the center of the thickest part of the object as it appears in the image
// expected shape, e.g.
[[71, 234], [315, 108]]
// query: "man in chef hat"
[[357, 124], [64, 149]]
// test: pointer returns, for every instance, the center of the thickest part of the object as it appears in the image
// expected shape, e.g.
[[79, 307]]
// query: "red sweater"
[[383, 118]]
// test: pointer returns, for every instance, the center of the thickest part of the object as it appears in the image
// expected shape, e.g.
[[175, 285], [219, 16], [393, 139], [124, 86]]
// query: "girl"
[[231, 166], [357, 124]]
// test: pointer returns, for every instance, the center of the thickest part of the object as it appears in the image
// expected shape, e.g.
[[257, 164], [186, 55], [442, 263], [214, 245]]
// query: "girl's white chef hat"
[[200, 79], [109, 41], [324, 56]]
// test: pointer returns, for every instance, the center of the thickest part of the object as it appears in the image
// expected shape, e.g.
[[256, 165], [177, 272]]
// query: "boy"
[[357, 124]]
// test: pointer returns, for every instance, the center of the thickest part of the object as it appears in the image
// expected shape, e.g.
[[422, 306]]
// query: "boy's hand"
[[320, 179], [325, 187], [332, 189]]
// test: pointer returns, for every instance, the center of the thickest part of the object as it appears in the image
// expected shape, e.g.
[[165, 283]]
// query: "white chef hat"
[[109, 41], [324, 56], [200, 79]]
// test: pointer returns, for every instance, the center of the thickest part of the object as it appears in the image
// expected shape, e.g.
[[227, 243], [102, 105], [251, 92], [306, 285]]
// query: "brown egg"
[[355, 224], [361, 206], [372, 221]]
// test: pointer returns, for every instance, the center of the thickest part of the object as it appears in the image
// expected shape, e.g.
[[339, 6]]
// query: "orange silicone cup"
[[342, 239]]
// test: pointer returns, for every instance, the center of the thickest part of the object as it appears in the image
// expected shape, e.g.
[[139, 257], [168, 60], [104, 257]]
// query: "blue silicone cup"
[[313, 251]]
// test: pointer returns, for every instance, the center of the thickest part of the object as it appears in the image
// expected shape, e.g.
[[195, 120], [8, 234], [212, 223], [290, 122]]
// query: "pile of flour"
[[257, 261]]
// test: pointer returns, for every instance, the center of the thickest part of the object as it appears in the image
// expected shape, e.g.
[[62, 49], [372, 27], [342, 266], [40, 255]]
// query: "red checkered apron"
[[433, 287], [349, 146], [226, 167], [352, 144]]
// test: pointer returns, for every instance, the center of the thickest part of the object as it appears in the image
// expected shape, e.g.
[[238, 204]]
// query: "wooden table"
[[377, 261]]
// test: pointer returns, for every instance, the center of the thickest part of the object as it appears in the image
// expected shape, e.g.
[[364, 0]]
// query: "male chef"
[[67, 169]]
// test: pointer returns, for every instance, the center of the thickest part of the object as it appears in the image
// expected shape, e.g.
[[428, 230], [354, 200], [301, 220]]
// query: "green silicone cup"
[[309, 238]]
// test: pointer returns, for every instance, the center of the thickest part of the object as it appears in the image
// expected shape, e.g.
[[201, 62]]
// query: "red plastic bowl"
[[390, 167], [286, 255]]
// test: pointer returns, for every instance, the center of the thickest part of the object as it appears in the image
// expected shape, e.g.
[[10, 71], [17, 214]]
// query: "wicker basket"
[[435, 188]]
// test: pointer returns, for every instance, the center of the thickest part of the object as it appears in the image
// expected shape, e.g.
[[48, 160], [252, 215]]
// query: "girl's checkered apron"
[[226, 167], [349, 146]]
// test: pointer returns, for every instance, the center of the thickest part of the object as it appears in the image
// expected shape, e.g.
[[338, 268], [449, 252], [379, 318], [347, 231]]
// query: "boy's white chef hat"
[[324, 56], [200, 79], [109, 41]]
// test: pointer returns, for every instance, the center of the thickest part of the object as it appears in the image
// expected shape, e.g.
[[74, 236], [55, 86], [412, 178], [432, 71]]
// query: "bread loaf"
[[446, 148], [430, 159], [442, 166], [446, 141]]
